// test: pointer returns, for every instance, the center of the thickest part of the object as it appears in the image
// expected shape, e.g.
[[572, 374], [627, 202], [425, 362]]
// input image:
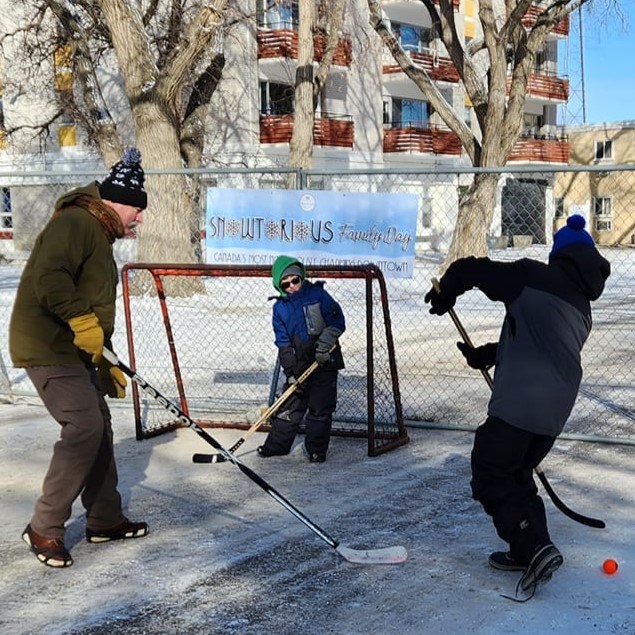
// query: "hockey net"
[[202, 336]]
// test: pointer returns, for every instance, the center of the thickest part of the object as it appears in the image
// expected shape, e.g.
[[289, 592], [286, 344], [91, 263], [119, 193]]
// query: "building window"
[[603, 225], [411, 37], [386, 111], [278, 14], [3, 132], [410, 113], [602, 210], [276, 99], [532, 125], [559, 207], [541, 62], [63, 66], [603, 149], [67, 131], [602, 206], [6, 218]]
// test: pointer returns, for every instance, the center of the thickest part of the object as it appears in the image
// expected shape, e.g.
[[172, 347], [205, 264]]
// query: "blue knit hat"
[[572, 233]]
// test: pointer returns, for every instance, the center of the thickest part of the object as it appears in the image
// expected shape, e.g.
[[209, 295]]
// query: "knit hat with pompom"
[[572, 233], [124, 184]]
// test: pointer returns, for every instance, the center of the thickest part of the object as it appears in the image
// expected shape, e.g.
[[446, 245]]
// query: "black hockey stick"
[[557, 501], [387, 555], [275, 406]]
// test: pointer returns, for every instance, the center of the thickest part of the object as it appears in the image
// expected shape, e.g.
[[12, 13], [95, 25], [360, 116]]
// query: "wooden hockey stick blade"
[[386, 555]]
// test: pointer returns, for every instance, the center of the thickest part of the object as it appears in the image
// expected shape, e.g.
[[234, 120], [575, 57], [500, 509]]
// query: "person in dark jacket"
[[307, 324], [536, 381], [63, 315]]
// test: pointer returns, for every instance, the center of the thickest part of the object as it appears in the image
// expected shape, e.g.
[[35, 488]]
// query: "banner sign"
[[254, 227]]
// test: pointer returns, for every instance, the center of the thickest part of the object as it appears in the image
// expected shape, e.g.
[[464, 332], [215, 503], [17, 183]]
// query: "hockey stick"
[[557, 501], [387, 555], [220, 458]]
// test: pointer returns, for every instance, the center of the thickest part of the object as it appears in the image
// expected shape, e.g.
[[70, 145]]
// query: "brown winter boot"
[[123, 531], [49, 551]]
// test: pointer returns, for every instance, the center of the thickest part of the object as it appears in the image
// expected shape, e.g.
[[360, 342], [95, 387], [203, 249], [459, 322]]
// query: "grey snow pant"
[[83, 461]]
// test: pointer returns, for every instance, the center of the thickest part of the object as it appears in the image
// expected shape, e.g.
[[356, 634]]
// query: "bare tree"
[[167, 63], [326, 16], [498, 98]]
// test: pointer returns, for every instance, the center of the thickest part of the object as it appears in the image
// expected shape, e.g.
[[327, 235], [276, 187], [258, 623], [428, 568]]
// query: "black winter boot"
[[542, 566], [504, 561]]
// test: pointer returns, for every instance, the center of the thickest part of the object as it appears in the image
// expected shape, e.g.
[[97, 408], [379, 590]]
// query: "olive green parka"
[[70, 272]]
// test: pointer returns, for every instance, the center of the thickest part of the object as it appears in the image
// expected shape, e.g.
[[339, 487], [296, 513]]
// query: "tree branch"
[[193, 128], [336, 18], [97, 119], [423, 81], [130, 42], [194, 43]]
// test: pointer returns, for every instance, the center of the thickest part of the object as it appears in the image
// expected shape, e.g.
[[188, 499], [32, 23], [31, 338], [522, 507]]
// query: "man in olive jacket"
[[64, 314]]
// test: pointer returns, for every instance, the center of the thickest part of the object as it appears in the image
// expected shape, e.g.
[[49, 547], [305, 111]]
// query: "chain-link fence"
[[436, 385]]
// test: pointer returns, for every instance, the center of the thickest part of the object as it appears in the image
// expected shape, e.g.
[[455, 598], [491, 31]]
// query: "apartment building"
[[605, 198], [369, 115]]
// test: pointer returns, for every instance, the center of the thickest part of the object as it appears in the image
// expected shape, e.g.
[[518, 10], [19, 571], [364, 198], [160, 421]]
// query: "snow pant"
[[315, 402], [83, 461], [503, 460]]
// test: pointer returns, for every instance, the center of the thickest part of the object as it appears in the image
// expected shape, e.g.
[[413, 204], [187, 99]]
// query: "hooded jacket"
[[70, 272], [300, 318], [547, 321]]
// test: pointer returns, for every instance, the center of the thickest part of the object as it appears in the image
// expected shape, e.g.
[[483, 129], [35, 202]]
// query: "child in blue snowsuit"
[[307, 323]]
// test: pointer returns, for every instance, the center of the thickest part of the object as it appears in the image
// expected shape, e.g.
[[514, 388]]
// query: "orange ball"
[[609, 566]]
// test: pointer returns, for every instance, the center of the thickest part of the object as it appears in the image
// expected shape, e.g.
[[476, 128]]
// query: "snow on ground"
[[224, 557]]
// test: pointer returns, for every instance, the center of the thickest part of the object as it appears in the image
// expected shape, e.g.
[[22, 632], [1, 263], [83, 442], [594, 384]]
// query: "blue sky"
[[609, 59]]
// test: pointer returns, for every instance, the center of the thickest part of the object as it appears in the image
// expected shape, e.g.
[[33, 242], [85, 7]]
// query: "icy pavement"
[[224, 557]]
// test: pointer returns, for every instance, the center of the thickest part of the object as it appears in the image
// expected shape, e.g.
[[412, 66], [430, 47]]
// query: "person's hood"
[[584, 264], [279, 266]]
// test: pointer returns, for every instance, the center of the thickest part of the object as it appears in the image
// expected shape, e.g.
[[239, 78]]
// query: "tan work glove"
[[89, 336]]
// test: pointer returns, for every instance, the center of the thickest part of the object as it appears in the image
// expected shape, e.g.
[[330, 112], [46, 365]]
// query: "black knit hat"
[[124, 184]]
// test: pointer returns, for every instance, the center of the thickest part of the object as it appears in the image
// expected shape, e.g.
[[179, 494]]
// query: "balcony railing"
[[424, 138], [328, 130], [545, 150], [274, 43], [545, 85], [529, 19], [440, 69]]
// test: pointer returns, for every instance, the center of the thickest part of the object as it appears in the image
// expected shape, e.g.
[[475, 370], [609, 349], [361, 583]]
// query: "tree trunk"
[[166, 232], [301, 144], [476, 211]]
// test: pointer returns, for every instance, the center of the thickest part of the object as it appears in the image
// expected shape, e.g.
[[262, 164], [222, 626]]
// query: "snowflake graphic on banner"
[[232, 228], [302, 231], [272, 230]]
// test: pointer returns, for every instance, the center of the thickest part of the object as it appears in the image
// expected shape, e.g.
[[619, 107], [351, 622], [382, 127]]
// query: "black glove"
[[322, 357], [293, 381], [440, 302], [324, 344], [481, 357]]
